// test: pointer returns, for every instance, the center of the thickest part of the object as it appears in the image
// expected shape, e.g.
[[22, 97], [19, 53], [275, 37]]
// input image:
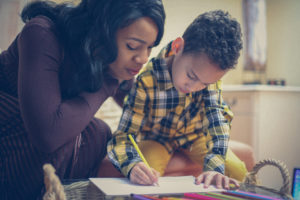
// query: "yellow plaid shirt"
[[155, 110]]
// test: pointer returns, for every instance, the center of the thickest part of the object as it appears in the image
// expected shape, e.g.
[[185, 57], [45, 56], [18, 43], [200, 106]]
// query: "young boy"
[[176, 104]]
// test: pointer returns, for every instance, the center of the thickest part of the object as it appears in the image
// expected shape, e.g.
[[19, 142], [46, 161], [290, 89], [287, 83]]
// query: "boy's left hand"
[[212, 177]]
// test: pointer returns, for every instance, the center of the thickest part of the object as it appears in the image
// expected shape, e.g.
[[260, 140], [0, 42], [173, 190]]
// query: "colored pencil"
[[139, 197], [151, 197], [258, 195], [138, 150], [173, 198], [249, 195], [223, 196], [140, 153], [199, 196]]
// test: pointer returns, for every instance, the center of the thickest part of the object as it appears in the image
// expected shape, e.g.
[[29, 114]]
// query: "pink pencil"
[[199, 196], [249, 195]]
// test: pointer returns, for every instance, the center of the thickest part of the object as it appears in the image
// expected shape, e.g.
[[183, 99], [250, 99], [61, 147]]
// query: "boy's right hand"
[[143, 175]]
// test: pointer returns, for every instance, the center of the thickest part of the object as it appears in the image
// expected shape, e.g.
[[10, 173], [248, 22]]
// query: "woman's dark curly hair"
[[88, 32], [217, 35]]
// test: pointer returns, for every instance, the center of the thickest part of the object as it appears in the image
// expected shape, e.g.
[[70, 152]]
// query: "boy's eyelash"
[[194, 79], [190, 77]]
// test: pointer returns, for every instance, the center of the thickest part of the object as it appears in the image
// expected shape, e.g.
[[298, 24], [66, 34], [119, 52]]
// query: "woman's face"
[[134, 43]]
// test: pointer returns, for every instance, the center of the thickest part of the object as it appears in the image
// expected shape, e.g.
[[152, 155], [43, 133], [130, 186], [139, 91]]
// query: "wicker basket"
[[250, 183], [79, 189]]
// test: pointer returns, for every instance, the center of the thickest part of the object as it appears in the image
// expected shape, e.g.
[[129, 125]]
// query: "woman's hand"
[[220, 180], [143, 175]]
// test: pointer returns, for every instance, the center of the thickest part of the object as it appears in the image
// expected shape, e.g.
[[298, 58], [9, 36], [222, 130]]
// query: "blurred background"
[[281, 30]]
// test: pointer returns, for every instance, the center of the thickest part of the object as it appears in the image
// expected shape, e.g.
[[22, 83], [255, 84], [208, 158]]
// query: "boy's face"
[[191, 73], [134, 43]]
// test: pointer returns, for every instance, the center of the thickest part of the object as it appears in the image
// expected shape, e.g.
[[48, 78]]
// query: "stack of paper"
[[167, 185]]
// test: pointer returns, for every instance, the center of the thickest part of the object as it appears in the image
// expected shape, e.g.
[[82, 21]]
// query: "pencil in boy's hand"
[[139, 152]]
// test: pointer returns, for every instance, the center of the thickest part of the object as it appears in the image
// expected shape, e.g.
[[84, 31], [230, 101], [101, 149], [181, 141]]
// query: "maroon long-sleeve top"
[[33, 63]]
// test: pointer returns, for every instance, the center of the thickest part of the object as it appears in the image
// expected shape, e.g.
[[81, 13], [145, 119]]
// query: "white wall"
[[10, 22], [283, 28]]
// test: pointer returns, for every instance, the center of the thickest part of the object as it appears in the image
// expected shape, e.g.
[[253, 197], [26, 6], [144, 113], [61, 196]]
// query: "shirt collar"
[[161, 70]]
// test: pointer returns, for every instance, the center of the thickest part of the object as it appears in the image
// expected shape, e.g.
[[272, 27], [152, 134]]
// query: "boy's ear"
[[177, 45]]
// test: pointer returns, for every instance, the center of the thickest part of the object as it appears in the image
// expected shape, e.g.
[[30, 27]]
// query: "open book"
[[167, 185]]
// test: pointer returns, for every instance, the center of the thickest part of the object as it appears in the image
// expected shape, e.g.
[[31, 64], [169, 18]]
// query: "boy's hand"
[[220, 180], [143, 175]]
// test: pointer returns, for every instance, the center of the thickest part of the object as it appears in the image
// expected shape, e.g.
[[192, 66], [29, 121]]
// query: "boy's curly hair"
[[216, 34]]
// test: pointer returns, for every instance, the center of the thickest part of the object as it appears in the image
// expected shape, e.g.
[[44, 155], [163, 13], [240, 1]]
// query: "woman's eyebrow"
[[137, 39]]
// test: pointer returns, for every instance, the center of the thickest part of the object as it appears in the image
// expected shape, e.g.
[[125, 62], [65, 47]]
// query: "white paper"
[[167, 185]]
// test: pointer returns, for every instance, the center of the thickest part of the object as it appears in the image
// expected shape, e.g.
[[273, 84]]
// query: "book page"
[[167, 185]]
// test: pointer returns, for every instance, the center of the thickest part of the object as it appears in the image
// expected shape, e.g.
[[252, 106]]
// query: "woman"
[[62, 66]]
